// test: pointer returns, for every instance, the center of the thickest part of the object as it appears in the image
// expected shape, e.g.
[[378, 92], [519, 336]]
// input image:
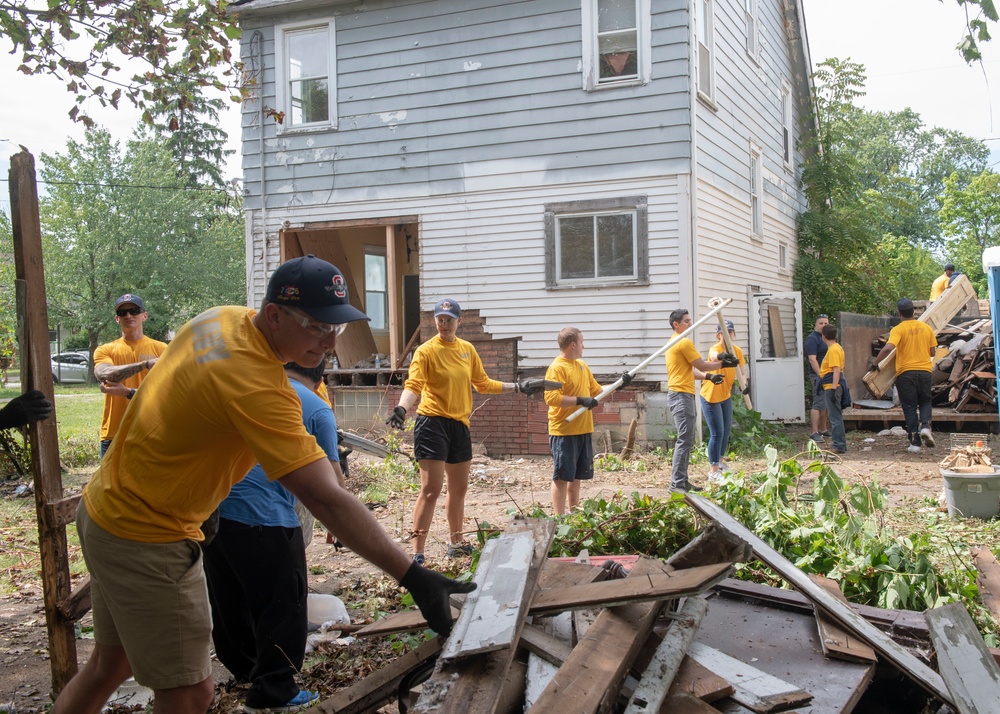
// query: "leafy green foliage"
[[82, 42], [750, 433], [978, 27], [971, 212]]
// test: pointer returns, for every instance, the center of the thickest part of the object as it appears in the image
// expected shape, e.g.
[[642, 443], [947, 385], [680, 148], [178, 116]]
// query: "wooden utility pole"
[[33, 333]]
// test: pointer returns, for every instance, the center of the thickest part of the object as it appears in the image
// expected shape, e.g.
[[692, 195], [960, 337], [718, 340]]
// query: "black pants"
[[914, 390], [257, 586]]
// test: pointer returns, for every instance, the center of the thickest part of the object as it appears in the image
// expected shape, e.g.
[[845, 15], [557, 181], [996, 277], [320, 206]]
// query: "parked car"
[[71, 367]]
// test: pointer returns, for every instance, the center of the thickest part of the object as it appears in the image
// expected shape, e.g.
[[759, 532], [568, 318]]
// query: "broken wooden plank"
[[474, 684], [683, 703], [972, 675], [656, 679], [397, 622], [695, 680], [714, 544], [654, 586], [590, 679], [549, 647], [921, 673], [380, 686], [988, 579], [836, 641], [494, 611], [753, 688]]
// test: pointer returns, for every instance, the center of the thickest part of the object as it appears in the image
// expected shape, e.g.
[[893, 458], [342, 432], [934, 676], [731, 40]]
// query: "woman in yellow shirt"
[[717, 403]]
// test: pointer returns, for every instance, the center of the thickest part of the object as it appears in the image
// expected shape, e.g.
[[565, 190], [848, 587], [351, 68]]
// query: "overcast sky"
[[907, 46]]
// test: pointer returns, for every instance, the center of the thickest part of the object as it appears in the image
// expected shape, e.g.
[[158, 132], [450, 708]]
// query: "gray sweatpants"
[[683, 411]]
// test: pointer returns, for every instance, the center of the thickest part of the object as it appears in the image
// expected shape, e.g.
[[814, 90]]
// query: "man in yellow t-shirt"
[[942, 282], [684, 366], [571, 443], [121, 365], [915, 344], [218, 402], [831, 375]]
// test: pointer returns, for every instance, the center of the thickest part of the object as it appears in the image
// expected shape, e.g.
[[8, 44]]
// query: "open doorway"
[[380, 262]]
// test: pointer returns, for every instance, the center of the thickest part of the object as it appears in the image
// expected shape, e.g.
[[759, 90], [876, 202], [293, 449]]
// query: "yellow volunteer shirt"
[[715, 393], [914, 341], [938, 287], [577, 381], [441, 372], [680, 373], [217, 403], [117, 353], [834, 358]]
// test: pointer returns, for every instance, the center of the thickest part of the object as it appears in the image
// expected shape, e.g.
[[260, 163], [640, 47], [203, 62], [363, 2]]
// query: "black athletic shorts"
[[441, 439], [572, 457]]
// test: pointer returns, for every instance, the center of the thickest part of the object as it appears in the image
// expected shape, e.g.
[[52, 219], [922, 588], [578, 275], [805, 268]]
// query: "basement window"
[[596, 243]]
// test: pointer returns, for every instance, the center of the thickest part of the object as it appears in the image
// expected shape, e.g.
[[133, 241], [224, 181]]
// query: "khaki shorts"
[[151, 599]]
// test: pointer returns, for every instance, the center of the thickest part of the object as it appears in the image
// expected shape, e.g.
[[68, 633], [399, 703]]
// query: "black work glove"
[[875, 366], [746, 386], [715, 378], [30, 406], [398, 417], [626, 378], [588, 402], [537, 385], [728, 360], [431, 590]]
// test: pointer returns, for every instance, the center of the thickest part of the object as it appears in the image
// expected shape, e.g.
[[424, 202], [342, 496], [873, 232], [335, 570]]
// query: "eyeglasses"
[[314, 328], [123, 311]]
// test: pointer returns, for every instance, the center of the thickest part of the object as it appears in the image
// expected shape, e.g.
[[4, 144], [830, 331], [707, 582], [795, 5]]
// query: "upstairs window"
[[786, 123], [706, 48], [305, 88], [594, 243], [616, 42], [753, 44], [376, 289]]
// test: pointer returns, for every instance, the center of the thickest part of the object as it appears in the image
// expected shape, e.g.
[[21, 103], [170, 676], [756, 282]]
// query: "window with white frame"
[[787, 146], [599, 242], [782, 256], [753, 44], [616, 42], [704, 21], [376, 288], [756, 194], [305, 72]]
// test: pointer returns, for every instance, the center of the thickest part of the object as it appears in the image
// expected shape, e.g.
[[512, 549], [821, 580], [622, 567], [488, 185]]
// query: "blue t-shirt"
[[255, 500], [815, 346]]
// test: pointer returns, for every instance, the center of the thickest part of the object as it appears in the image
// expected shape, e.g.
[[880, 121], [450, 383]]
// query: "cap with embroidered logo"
[[730, 327], [448, 307], [315, 287], [130, 298]]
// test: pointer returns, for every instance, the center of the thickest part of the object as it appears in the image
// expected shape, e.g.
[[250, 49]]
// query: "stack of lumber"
[[549, 635], [968, 460], [964, 373]]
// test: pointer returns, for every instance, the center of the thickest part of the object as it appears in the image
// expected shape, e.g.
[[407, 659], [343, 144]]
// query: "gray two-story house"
[[545, 163]]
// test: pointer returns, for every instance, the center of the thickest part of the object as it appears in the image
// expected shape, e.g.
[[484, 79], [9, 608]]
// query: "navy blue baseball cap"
[[448, 307], [730, 327], [130, 298], [315, 287]]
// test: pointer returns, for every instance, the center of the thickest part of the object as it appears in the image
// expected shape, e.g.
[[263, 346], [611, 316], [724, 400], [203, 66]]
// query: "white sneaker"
[[913, 449], [927, 437]]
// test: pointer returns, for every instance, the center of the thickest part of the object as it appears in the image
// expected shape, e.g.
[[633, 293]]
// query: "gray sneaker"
[[817, 437], [913, 449], [460, 550], [418, 558], [927, 437]]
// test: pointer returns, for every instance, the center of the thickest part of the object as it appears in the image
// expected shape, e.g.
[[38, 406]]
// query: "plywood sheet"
[[969, 670]]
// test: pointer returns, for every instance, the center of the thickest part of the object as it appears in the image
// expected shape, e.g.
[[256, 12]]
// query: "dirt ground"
[[496, 486]]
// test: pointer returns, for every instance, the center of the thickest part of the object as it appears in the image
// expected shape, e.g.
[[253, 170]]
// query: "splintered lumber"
[[380, 686], [846, 616], [695, 680], [659, 674], [475, 684], [653, 586], [714, 544], [988, 579], [836, 641], [752, 688], [938, 315], [686, 704], [590, 679], [494, 611], [550, 648], [971, 673]]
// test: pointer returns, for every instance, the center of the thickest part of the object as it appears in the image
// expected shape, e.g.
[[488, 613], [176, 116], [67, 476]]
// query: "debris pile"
[[550, 635]]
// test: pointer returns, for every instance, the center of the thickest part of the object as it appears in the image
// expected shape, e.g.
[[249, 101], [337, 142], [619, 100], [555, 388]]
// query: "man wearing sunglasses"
[[218, 402], [121, 365]]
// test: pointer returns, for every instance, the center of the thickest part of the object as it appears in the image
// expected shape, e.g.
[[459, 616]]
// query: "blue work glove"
[[431, 590]]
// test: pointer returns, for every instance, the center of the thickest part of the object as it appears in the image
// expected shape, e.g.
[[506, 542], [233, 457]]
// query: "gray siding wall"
[[451, 96]]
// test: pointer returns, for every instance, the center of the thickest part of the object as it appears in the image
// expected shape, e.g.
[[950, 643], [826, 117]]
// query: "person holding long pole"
[[684, 366], [717, 404]]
